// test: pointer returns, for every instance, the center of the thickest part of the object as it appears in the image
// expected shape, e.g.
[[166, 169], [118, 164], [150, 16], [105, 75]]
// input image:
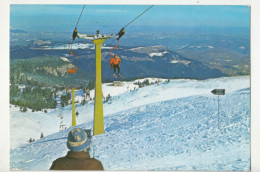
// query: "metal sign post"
[[218, 92], [218, 111]]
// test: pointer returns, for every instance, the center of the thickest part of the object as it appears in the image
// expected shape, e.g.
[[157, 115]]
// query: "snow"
[[65, 59], [182, 47], [164, 126], [158, 54], [136, 49], [198, 46], [185, 62], [157, 47]]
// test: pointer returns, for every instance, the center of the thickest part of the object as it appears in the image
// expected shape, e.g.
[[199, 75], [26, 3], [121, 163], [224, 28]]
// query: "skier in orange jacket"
[[115, 63]]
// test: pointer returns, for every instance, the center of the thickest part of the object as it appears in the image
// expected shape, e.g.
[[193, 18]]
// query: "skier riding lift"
[[75, 33], [115, 63], [121, 33]]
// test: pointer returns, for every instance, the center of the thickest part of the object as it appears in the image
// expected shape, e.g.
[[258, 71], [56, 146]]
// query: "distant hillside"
[[13, 30], [181, 55], [46, 71], [137, 62], [152, 61]]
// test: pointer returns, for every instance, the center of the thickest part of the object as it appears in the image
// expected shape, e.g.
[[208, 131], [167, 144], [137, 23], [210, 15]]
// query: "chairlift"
[[72, 70], [113, 49]]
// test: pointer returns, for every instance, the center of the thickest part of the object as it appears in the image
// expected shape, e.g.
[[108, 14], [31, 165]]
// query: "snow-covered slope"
[[166, 126]]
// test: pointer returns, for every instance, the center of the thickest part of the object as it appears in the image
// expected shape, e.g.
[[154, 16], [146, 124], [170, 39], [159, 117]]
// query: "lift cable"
[[122, 31], [138, 16], [74, 70], [80, 16], [133, 21], [120, 34]]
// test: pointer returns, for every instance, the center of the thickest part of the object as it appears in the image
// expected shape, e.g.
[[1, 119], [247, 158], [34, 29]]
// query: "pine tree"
[[41, 135], [83, 102], [108, 98], [31, 140], [24, 109]]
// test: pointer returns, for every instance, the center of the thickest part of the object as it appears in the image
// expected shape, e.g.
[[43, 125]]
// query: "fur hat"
[[78, 140]]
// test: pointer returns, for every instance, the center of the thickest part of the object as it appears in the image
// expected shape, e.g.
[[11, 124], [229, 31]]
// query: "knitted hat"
[[77, 140]]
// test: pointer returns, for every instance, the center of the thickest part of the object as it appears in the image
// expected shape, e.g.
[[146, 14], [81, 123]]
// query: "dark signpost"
[[218, 92]]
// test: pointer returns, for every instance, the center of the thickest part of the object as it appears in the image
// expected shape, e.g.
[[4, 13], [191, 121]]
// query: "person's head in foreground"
[[78, 157]]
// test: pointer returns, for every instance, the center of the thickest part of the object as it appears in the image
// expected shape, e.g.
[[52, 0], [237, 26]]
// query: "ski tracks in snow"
[[179, 133]]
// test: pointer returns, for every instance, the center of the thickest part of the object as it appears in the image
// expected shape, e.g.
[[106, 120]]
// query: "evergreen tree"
[[108, 98], [24, 109], [83, 102], [31, 140], [41, 135]]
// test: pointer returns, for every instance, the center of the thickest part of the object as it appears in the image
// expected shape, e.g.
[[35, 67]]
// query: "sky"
[[64, 17]]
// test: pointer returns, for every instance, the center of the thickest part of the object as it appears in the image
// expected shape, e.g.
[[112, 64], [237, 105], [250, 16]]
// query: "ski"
[[121, 76], [115, 76], [118, 76]]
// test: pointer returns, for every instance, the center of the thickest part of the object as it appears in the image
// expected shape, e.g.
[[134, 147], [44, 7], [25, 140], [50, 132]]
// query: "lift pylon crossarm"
[[92, 37]]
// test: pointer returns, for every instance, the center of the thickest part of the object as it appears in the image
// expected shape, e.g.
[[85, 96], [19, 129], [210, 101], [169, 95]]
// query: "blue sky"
[[64, 17]]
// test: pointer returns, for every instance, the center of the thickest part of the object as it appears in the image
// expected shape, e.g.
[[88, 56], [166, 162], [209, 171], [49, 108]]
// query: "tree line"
[[35, 98]]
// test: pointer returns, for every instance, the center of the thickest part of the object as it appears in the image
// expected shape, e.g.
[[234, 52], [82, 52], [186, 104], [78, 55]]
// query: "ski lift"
[[121, 33], [113, 49], [72, 70]]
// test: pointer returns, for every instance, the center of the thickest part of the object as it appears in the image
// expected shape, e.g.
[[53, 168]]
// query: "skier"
[[87, 93], [115, 63], [78, 157], [121, 33], [75, 33]]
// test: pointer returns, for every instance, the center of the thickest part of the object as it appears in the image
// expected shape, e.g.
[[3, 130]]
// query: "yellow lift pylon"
[[73, 108], [98, 111]]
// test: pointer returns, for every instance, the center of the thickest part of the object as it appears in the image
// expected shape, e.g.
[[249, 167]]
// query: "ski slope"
[[165, 126]]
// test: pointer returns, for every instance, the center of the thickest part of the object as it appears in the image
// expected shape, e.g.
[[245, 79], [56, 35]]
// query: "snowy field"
[[165, 126]]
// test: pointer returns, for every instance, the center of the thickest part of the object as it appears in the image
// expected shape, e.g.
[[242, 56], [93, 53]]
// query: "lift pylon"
[[98, 113], [73, 109]]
